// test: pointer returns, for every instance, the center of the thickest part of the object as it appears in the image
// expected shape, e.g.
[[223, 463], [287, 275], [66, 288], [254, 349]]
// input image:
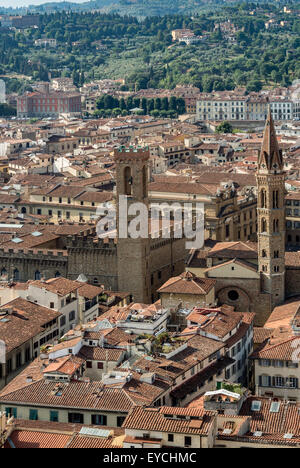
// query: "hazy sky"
[[23, 3]]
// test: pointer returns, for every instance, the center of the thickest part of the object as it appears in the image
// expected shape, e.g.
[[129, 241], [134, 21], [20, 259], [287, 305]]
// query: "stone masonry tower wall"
[[133, 254], [271, 216]]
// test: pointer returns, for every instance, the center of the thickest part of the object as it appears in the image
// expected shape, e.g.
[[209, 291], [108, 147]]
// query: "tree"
[[173, 103], [109, 102], [144, 105], [157, 104], [7, 111], [165, 104], [180, 105], [224, 127], [254, 85]]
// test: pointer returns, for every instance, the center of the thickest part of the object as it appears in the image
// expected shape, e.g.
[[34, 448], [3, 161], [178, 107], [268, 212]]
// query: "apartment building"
[[24, 327], [149, 319], [169, 427], [221, 107], [46, 103], [238, 105], [277, 371], [232, 328], [282, 109], [11, 147], [72, 203], [77, 301], [173, 152]]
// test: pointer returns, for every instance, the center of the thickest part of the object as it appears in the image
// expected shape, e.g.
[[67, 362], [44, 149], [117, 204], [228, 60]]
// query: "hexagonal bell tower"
[[133, 252], [271, 215]]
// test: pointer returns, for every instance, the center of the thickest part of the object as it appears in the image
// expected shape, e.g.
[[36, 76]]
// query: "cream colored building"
[[277, 372]]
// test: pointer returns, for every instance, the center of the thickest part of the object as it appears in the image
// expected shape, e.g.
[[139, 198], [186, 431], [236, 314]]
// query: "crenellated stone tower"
[[271, 216], [133, 254]]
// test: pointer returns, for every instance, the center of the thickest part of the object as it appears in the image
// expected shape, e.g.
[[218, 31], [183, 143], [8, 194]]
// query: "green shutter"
[[54, 416], [33, 414]]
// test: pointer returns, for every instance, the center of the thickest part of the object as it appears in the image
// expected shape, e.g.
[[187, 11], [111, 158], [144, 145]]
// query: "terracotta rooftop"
[[24, 321], [187, 283], [161, 420], [241, 250]]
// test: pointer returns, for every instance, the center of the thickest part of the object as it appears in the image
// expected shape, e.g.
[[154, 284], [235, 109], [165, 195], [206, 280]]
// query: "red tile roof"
[[37, 439], [152, 419], [187, 283]]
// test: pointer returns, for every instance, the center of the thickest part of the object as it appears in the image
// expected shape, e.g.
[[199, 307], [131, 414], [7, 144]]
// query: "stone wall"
[[250, 298]]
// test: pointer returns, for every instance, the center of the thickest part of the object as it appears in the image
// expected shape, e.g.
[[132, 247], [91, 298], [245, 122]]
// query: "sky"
[[24, 3]]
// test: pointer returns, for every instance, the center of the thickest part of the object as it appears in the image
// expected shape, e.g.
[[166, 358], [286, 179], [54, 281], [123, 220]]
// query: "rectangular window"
[[279, 381], [33, 415], [100, 365], [265, 363], [99, 419], [72, 316], [9, 366], [27, 354], [170, 437], [54, 416], [18, 360], [11, 412], [62, 321], [75, 418], [120, 420], [187, 441], [89, 364]]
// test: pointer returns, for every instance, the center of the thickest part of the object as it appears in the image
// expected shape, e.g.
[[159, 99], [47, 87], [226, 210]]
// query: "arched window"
[[264, 253], [3, 272], [263, 198], [276, 254], [16, 275], [263, 225], [23, 210], [127, 181], [275, 199], [37, 275], [57, 274], [95, 281], [276, 225]]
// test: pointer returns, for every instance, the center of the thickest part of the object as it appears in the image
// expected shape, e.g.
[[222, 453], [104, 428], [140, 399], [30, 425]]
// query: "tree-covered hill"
[[96, 45]]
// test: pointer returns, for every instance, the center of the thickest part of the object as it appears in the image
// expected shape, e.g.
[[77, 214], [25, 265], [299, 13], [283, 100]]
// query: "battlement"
[[40, 253], [129, 153], [90, 242]]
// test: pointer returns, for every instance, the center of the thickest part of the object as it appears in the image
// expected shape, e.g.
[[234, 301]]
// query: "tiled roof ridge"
[[278, 344]]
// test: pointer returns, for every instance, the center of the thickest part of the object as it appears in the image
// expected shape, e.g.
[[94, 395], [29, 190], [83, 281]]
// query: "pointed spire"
[[270, 157]]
